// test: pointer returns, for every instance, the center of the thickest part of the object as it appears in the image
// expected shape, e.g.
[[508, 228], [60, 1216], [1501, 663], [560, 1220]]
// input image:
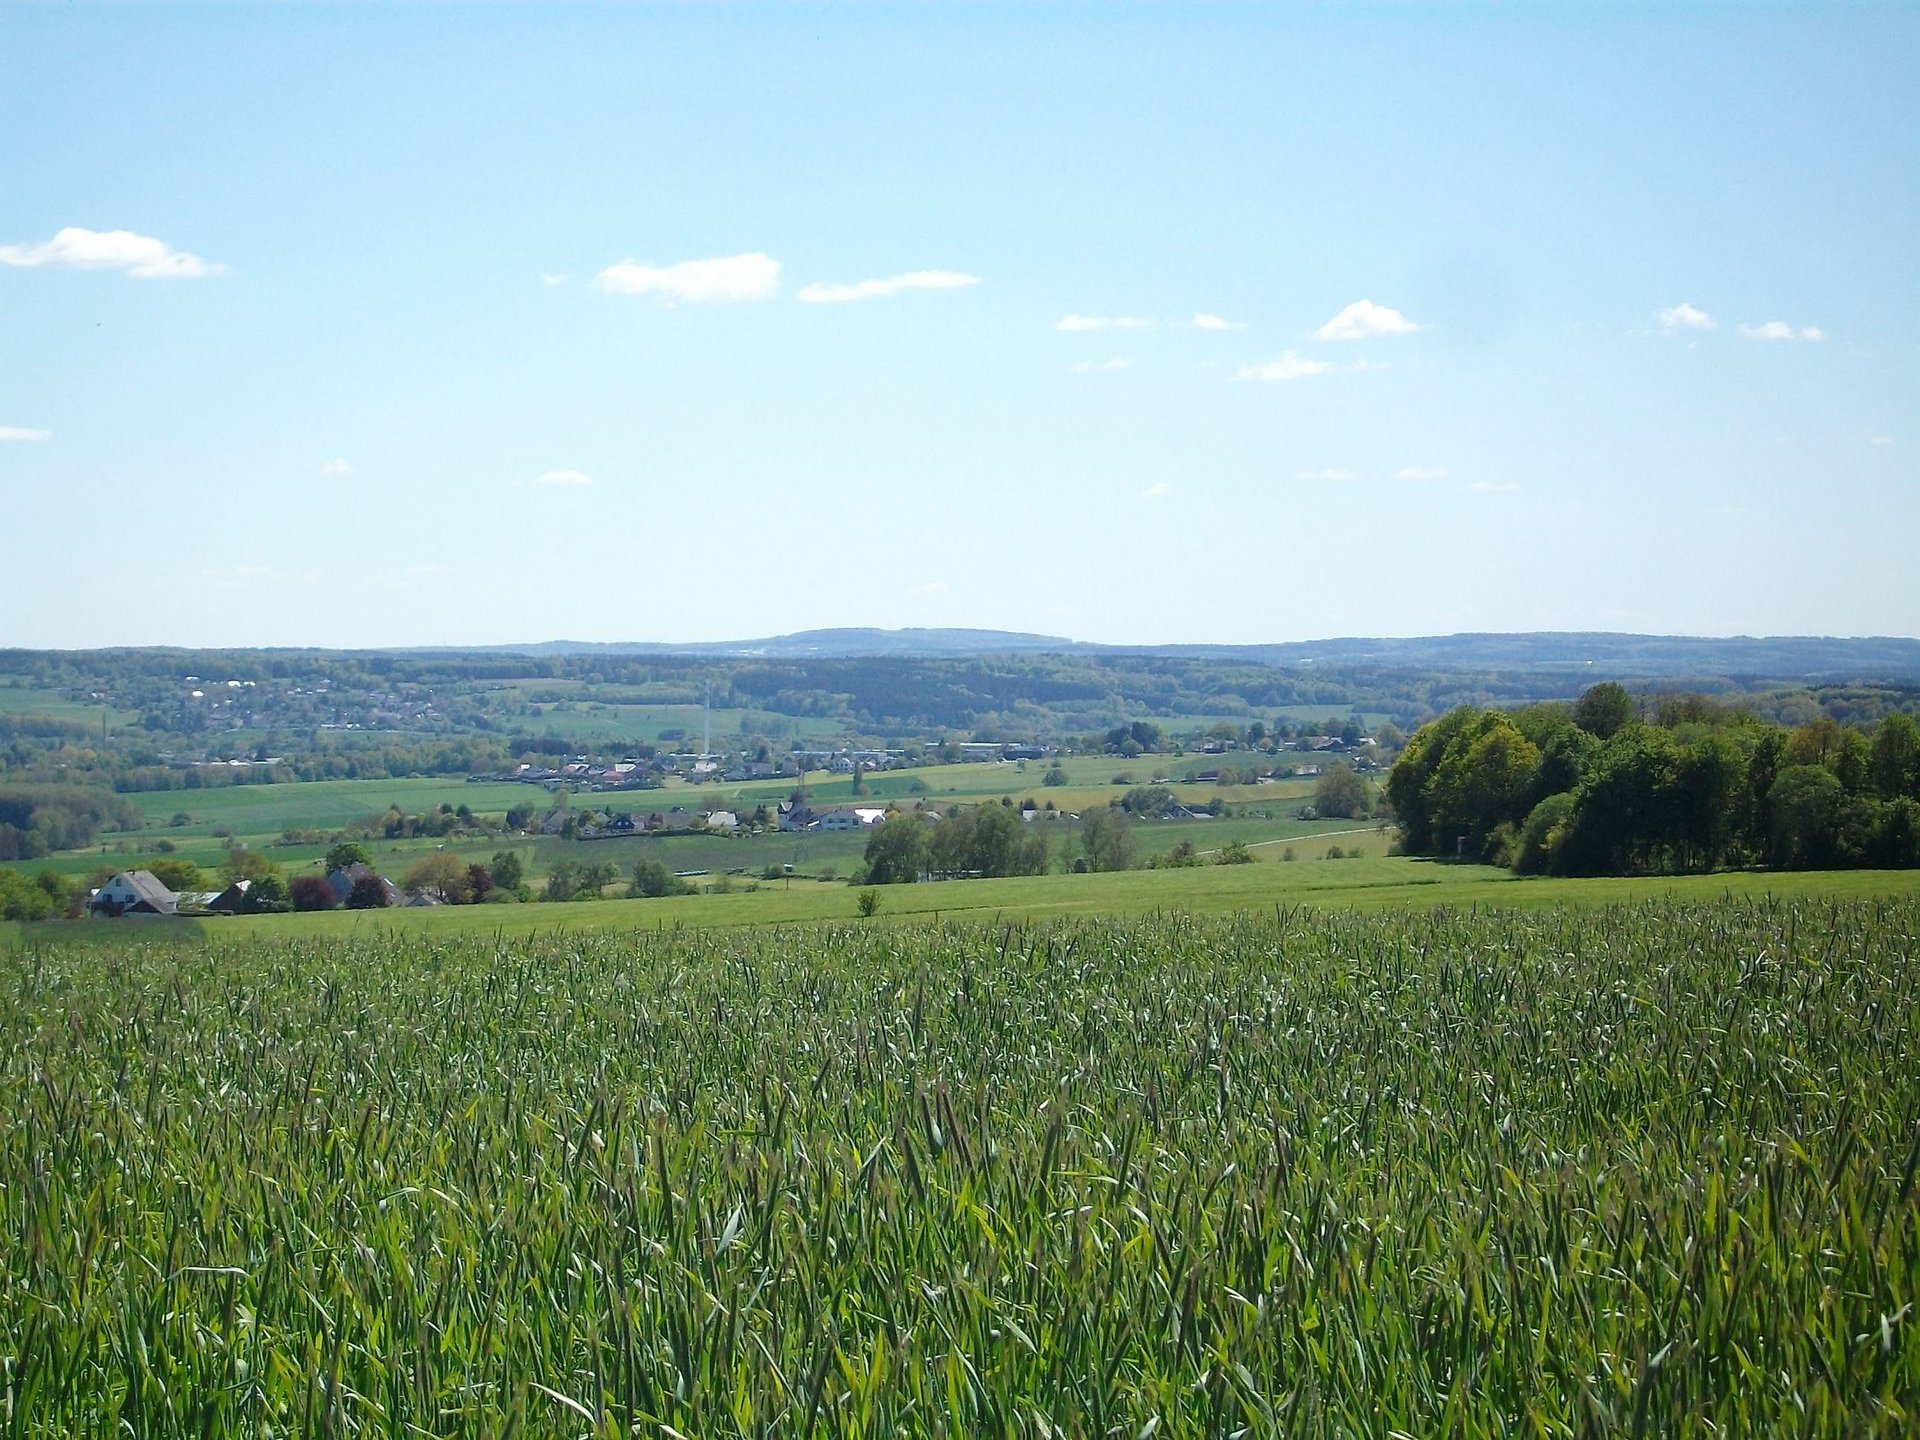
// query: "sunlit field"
[[1638, 1167]]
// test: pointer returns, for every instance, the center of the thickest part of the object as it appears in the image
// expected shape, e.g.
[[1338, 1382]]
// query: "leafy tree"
[[178, 875], [241, 863], [268, 894], [442, 875], [347, 854], [1896, 758], [21, 899], [1408, 783], [897, 850], [653, 880], [1147, 800], [1540, 836], [1603, 710], [479, 883], [369, 893], [310, 892], [869, 904], [1106, 836], [506, 870], [1805, 805], [1340, 792], [1483, 782]]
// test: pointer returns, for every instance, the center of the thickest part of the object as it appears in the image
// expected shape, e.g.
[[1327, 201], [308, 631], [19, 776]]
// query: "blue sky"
[[357, 325]]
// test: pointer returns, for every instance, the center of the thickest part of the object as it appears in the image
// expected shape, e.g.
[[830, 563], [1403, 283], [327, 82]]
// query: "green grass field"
[[1635, 1166]]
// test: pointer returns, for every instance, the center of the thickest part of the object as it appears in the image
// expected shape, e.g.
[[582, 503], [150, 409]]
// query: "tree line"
[[1598, 788]]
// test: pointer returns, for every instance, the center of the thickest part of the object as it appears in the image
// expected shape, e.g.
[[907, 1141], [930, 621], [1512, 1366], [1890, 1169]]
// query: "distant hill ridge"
[[1614, 653]]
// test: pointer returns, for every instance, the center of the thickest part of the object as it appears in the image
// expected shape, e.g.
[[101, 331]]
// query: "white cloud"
[[1159, 490], [1364, 319], [724, 279], [552, 280], [337, 468], [886, 289], [21, 433], [1204, 321], [1421, 472], [563, 477], [1290, 366], [1102, 322], [1685, 317], [1780, 330], [140, 256], [1094, 367], [1325, 476], [1495, 487], [928, 590], [1871, 440]]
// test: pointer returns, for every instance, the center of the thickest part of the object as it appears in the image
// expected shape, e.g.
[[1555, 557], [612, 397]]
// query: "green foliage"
[[1158, 1176], [1603, 710], [897, 850], [1106, 838], [506, 870], [868, 904], [347, 854], [1340, 793], [1718, 788], [1234, 852], [177, 874], [653, 880]]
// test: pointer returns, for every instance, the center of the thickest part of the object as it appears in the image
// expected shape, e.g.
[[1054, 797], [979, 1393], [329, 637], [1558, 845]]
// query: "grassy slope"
[[1353, 884]]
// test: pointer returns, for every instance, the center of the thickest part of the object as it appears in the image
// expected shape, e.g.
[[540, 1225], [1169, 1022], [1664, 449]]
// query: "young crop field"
[[1637, 1168]]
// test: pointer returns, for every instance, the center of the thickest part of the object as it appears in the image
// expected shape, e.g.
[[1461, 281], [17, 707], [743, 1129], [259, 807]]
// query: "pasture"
[[1639, 1166]]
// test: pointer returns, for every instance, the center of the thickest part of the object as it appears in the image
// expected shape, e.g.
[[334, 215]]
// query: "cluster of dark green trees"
[[1593, 788], [983, 840]]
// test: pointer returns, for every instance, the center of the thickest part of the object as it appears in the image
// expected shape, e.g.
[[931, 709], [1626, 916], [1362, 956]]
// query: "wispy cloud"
[[1686, 317], [17, 434], [1204, 321], [1102, 322], [1494, 487], [1363, 320], [563, 477], [1159, 490], [887, 289], [1780, 330], [1421, 472], [928, 590], [552, 280], [1334, 477], [338, 469], [1290, 366], [1871, 440], [1095, 367], [140, 256], [725, 279]]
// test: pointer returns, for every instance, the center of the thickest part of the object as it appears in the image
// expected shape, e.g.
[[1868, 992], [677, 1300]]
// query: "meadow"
[[1642, 1166]]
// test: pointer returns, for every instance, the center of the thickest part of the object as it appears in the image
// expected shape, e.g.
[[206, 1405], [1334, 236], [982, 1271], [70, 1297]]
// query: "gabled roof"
[[147, 886]]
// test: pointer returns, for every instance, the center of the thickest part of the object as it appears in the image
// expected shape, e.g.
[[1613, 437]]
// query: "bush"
[[868, 903], [310, 892], [1234, 852]]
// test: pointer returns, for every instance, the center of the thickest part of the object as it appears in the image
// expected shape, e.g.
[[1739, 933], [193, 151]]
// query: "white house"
[[133, 892]]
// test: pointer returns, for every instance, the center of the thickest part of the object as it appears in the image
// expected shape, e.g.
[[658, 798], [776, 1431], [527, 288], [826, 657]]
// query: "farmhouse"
[[133, 892], [341, 882]]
